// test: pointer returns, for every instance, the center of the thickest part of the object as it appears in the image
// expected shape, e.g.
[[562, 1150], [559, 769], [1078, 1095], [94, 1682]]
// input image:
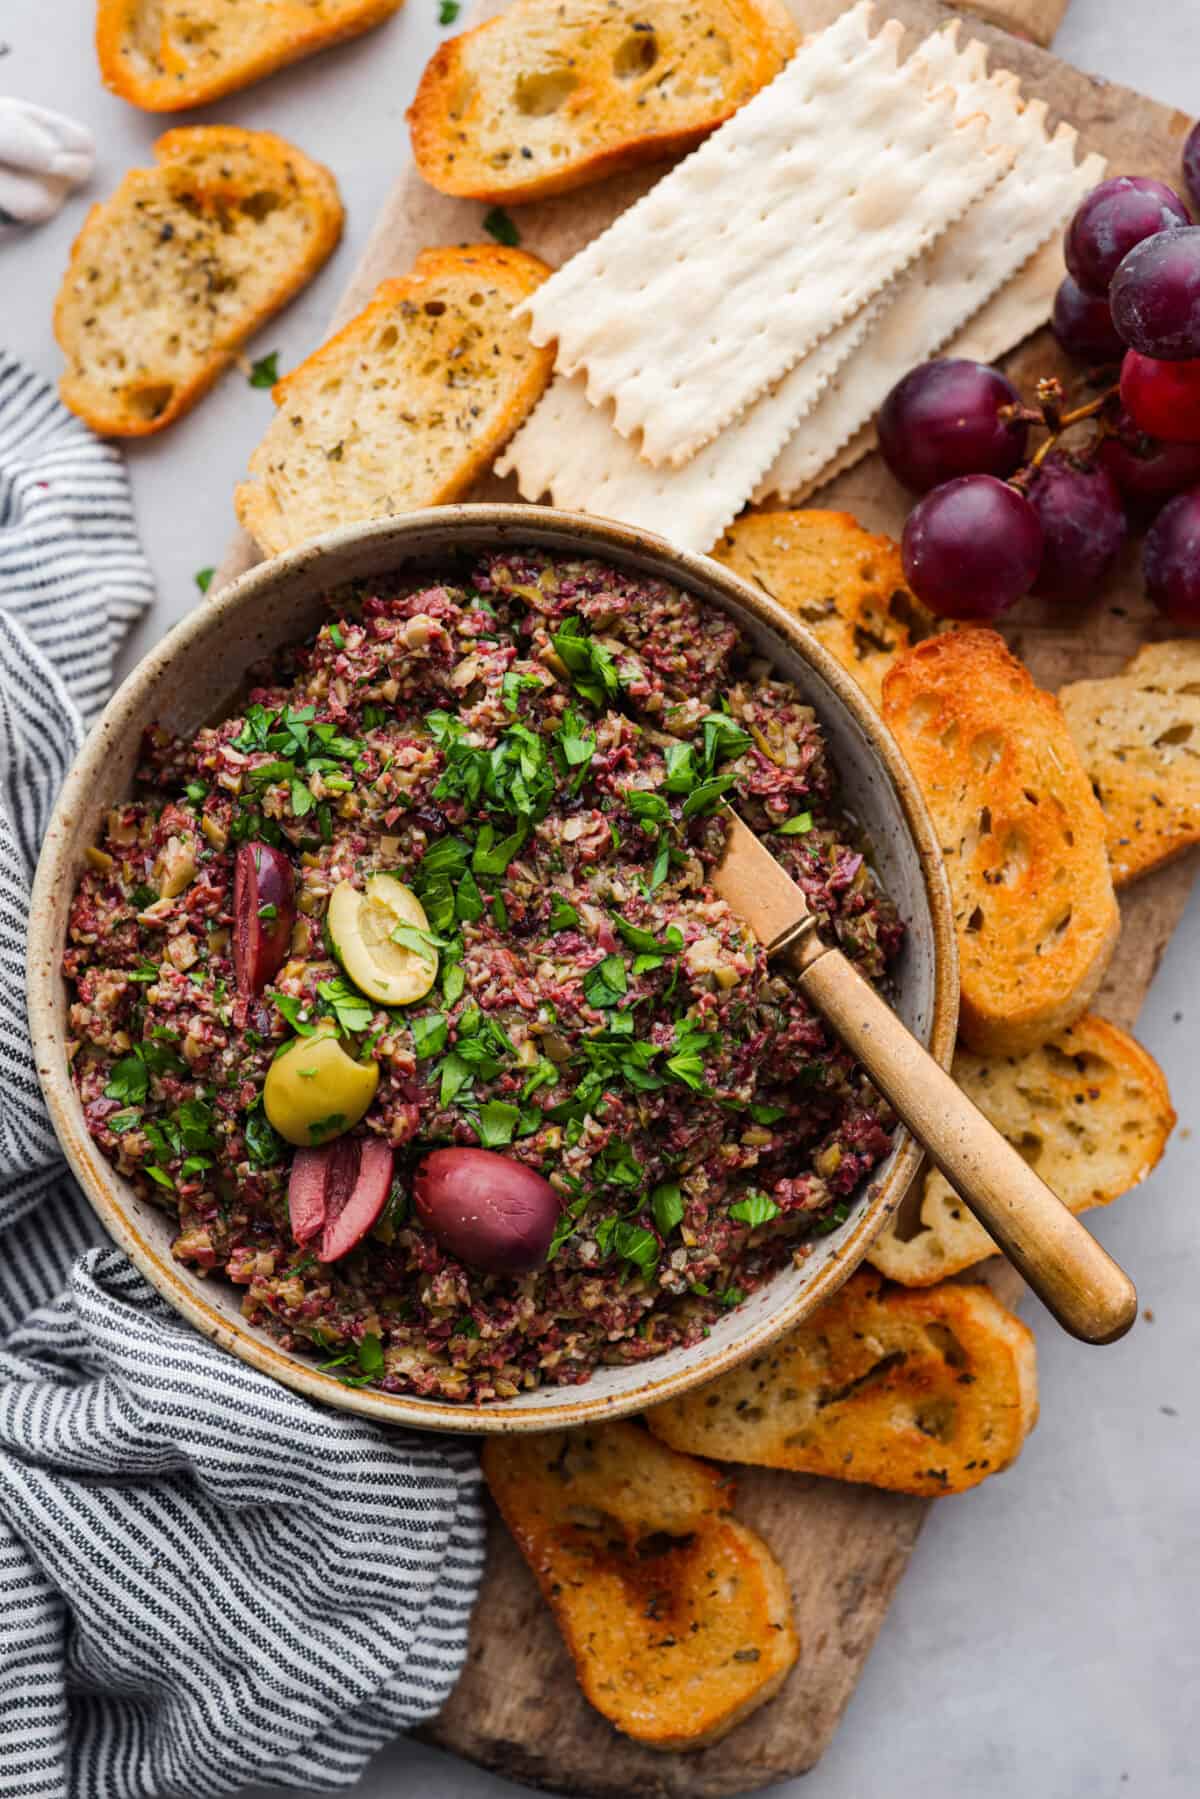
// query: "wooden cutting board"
[[517, 1708]]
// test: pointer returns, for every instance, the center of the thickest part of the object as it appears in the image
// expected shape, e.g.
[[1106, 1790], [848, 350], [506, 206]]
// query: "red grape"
[[1083, 526], [1155, 296], [1146, 471], [1083, 324], [264, 912], [943, 420], [972, 547], [1172, 560], [1162, 398], [1111, 220], [1191, 166], [490, 1211]]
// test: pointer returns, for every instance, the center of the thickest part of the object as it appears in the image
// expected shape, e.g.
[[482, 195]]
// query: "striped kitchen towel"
[[204, 1579]]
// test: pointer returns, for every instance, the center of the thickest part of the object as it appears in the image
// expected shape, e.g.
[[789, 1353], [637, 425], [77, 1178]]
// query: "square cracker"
[[954, 278], [568, 449], [783, 224]]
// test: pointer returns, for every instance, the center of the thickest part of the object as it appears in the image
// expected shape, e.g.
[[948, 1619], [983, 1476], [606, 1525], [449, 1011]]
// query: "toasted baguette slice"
[[556, 93], [1021, 832], [406, 405], [845, 584], [166, 54], [1138, 736], [1090, 1111], [170, 276], [677, 1617], [916, 1392]]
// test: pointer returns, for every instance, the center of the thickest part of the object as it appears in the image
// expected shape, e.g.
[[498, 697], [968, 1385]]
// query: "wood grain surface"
[[517, 1708], [1034, 19]]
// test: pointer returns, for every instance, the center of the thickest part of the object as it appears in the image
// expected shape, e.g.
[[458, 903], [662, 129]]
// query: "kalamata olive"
[[314, 1091], [264, 912], [338, 1193], [489, 1211]]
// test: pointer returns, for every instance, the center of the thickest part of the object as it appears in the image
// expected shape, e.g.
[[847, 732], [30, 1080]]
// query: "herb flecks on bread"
[[1090, 1110], [676, 1615], [170, 276], [1021, 833], [1138, 736], [838, 579], [917, 1392], [551, 95], [406, 405], [165, 54]]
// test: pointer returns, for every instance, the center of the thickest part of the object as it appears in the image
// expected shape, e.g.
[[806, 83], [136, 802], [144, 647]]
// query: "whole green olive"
[[314, 1091]]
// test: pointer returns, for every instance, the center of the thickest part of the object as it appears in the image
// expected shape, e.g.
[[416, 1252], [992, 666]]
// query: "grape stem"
[[1049, 413]]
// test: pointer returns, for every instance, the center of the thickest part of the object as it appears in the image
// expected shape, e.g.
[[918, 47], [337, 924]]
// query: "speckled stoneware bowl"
[[191, 677]]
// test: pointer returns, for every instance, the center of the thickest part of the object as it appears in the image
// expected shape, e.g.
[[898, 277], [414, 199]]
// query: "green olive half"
[[314, 1091], [362, 927]]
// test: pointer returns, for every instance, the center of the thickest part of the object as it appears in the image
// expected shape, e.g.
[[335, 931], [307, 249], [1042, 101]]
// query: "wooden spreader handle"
[[1071, 1274]]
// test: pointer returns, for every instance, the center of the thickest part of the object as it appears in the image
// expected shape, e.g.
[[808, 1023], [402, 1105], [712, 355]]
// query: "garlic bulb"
[[43, 155]]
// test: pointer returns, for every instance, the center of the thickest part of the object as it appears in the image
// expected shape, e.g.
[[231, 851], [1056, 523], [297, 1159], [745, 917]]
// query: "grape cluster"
[[991, 525]]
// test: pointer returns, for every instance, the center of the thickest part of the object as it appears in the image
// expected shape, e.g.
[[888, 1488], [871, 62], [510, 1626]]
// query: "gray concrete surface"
[[1045, 1643]]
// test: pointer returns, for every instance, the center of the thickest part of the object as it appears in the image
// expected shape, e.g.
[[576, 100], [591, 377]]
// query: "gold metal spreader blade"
[[1066, 1267], [753, 885]]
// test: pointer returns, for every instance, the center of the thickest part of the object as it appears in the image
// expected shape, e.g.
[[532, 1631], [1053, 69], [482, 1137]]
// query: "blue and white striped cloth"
[[204, 1579]]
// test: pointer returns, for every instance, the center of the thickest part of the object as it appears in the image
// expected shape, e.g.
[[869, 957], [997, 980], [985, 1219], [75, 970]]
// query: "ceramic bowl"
[[192, 676]]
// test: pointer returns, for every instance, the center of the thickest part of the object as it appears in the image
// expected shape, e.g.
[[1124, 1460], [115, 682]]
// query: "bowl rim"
[[509, 521]]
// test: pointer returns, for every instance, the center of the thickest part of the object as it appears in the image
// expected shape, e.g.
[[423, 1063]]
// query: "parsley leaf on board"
[[265, 372], [498, 224]]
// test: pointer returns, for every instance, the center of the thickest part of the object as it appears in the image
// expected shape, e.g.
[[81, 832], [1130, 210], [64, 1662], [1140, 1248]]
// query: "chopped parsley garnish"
[[632, 1242], [264, 1145], [291, 1008], [704, 797], [513, 685], [686, 1061], [352, 1011], [754, 1209], [590, 665], [429, 1035], [204, 578], [448, 12], [367, 1356], [563, 917], [497, 1123], [421, 943], [606, 984], [129, 1080], [327, 1127], [839, 1215], [645, 941], [666, 1203], [799, 825]]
